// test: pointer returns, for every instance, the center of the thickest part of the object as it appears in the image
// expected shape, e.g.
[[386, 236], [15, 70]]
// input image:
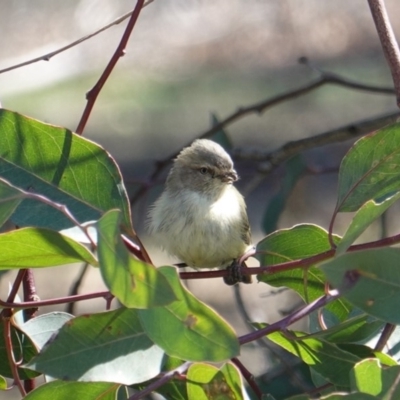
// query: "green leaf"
[[353, 330], [41, 328], [294, 170], [369, 171], [187, 328], [205, 382], [59, 390], [3, 383], [376, 279], [220, 137], [369, 377], [135, 283], [368, 213], [109, 346], [62, 166], [296, 243], [10, 198], [325, 358], [39, 247]]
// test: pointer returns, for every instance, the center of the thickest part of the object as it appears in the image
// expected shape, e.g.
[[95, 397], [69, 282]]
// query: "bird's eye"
[[203, 170]]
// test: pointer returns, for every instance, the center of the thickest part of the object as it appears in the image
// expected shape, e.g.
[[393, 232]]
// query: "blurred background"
[[186, 61]]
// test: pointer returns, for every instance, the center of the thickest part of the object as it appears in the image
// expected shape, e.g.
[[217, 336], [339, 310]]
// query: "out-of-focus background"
[[186, 60]]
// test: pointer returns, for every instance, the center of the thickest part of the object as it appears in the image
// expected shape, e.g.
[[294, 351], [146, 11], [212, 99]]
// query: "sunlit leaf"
[[369, 377], [368, 213], [206, 381], [64, 167], [297, 243], [374, 278], [370, 170], [187, 328], [325, 358], [59, 390], [109, 347], [135, 283], [3, 383], [40, 247]]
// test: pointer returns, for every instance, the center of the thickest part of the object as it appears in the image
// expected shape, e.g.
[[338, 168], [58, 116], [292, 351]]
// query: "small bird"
[[200, 217]]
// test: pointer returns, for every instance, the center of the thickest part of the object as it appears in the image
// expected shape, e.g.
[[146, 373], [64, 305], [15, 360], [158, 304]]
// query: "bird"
[[200, 217]]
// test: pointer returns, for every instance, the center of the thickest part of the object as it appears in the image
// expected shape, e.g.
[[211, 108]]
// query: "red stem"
[[91, 96]]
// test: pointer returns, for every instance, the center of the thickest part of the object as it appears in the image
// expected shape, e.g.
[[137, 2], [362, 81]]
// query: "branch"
[[260, 107], [290, 149], [162, 381], [62, 300], [48, 56], [248, 376], [282, 324], [388, 41], [91, 96], [293, 264]]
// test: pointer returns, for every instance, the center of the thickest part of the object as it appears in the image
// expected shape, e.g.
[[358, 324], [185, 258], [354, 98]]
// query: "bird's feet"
[[235, 274]]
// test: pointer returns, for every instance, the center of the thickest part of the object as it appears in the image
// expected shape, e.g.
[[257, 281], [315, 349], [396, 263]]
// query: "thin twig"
[[388, 41], [161, 381], [75, 287], [48, 56], [259, 108], [294, 264], [282, 324], [385, 336], [248, 376], [91, 96], [61, 300]]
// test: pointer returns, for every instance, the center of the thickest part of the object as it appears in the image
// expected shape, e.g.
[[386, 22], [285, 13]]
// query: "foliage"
[[66, 202], [159, 320]]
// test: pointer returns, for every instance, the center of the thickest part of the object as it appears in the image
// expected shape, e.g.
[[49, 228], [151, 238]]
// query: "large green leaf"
[[59, 390], [296, 243], [325, 358], [62, 166], [370, 170], [369, 377], [187, 328], [375, 277], [109, 347], [38, 247], [135, 283], [206, 382]]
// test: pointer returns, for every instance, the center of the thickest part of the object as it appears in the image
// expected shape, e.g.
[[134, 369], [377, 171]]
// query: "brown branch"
[[275, 158], [388, 41], [48, 56], [248, 376], [260, 107], [91, 96]]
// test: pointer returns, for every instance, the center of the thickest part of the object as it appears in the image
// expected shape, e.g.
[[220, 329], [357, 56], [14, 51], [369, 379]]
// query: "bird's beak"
[[230, 176]]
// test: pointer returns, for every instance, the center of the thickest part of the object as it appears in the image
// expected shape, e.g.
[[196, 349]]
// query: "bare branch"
[[388, 41], [91, 96], [260, 107], [272, 159], [48, 56]]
